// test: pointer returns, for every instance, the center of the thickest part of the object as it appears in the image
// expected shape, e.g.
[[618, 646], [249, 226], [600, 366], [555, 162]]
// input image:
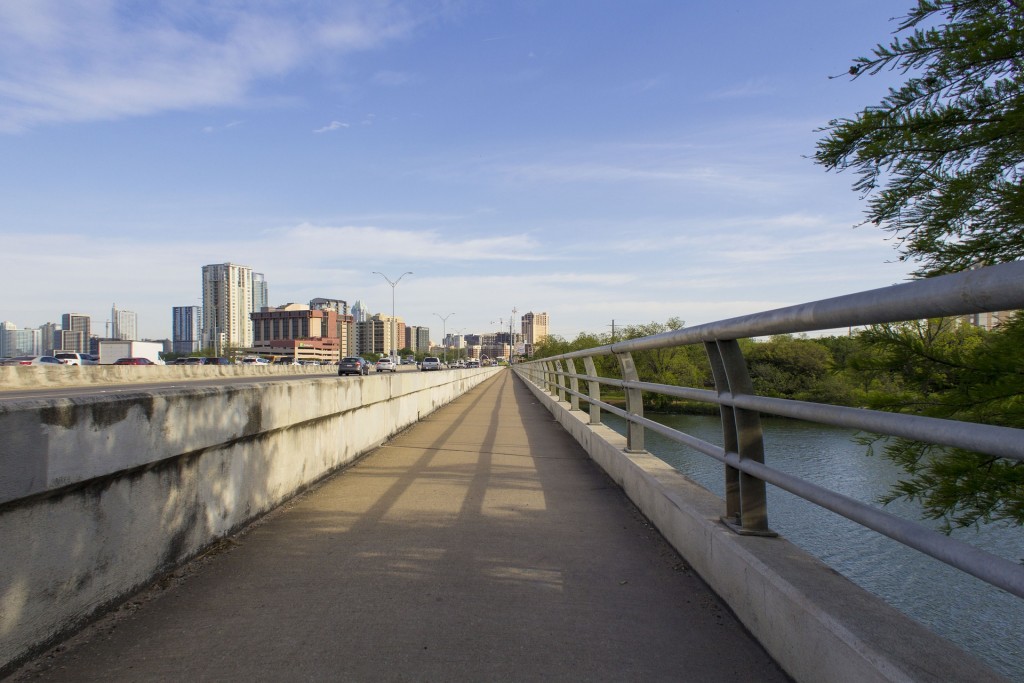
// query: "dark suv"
[[353, 365]]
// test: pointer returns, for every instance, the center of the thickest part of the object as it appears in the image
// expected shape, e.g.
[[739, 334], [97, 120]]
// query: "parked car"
[[72, 358], [386, 364], [353, 365], [430, 363], [133, 361], [32, 360]]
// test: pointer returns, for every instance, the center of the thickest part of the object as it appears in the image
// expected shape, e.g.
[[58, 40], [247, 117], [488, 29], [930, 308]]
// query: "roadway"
[[480, 544]]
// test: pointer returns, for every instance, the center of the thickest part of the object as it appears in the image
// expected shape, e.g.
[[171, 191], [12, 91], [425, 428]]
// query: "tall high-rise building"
[[535, 329], [18, 342], [186, 329], [227, 303], [48, 330], [68, 340], [360, 314], [389, 340], [260, 292], [370, 336], [5, 327], [422, 340], [123, 324], [417, 338], [77, 322]]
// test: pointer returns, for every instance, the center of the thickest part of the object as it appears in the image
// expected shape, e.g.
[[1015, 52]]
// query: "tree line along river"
[[984, 620]]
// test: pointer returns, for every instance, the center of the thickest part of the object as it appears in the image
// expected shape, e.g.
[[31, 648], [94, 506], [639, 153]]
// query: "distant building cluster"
[[74, 333], [236, 318]]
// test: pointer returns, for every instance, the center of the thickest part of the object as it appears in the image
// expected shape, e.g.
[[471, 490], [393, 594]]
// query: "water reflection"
[[984, 620]]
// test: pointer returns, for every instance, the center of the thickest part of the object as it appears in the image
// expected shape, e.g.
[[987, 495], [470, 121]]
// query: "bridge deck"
[[481, 544]]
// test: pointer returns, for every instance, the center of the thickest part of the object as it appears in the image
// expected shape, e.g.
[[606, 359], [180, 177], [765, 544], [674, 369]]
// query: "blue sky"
[[596, 160]]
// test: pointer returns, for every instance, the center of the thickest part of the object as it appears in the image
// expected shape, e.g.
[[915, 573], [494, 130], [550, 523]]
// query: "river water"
[[986, 621]]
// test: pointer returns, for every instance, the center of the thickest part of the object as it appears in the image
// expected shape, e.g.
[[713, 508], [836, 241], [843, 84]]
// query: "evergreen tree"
[[940, 368], [940, 158], [940, 161]]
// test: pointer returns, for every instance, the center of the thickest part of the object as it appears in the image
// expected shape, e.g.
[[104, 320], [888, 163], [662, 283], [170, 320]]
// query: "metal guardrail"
[[995, 288]]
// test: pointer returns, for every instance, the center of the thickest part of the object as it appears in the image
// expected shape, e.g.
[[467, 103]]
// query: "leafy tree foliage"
[[940, 158], [938, 368], [953, 371], [680, 366], [800, 369]]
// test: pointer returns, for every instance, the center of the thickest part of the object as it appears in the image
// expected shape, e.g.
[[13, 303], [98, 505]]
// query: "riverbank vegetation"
[[945, 368]]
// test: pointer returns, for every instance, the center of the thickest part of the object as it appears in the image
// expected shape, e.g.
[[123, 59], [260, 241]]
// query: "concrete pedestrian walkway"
[[480, 545]]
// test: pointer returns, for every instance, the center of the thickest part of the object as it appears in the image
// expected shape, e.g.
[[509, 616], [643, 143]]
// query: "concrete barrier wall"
[[818, 625], [99, 495], [44, 376]]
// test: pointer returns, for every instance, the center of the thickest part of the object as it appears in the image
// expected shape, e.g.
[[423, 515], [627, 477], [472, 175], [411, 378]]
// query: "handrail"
[[994, 288]]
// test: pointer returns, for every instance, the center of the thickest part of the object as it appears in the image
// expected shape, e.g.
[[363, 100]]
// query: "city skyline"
[[645, 161], [122, 324]]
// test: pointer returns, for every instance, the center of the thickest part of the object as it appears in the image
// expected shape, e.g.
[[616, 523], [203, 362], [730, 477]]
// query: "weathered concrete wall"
[[99, 495], [818, 625], [39, 376]]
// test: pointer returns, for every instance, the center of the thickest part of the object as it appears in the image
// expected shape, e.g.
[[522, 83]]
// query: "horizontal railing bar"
[[990, 568], [993, 288], [993, 569], [1003, 442], [705, 447]]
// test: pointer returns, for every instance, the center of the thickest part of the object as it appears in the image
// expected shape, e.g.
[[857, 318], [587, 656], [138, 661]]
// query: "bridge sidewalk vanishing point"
[[480, 544]]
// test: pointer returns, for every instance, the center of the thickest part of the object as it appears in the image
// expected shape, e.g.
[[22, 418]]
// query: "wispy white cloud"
[[79, 60], [216, 129], [393, 78], [437, 244], [722, 177], [333, 125], [757, 87], [647, 83]]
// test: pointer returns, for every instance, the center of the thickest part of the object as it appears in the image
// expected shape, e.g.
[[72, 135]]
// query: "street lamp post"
[[394, 328], [511, 335], [444, 333]]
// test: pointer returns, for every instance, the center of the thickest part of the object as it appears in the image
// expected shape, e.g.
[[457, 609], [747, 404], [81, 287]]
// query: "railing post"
[[746, 507], [560, 380], [574, 385], [634, 404], [593, 390]]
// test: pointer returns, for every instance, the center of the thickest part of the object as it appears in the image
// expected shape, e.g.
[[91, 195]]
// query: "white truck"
[[110, 351]]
